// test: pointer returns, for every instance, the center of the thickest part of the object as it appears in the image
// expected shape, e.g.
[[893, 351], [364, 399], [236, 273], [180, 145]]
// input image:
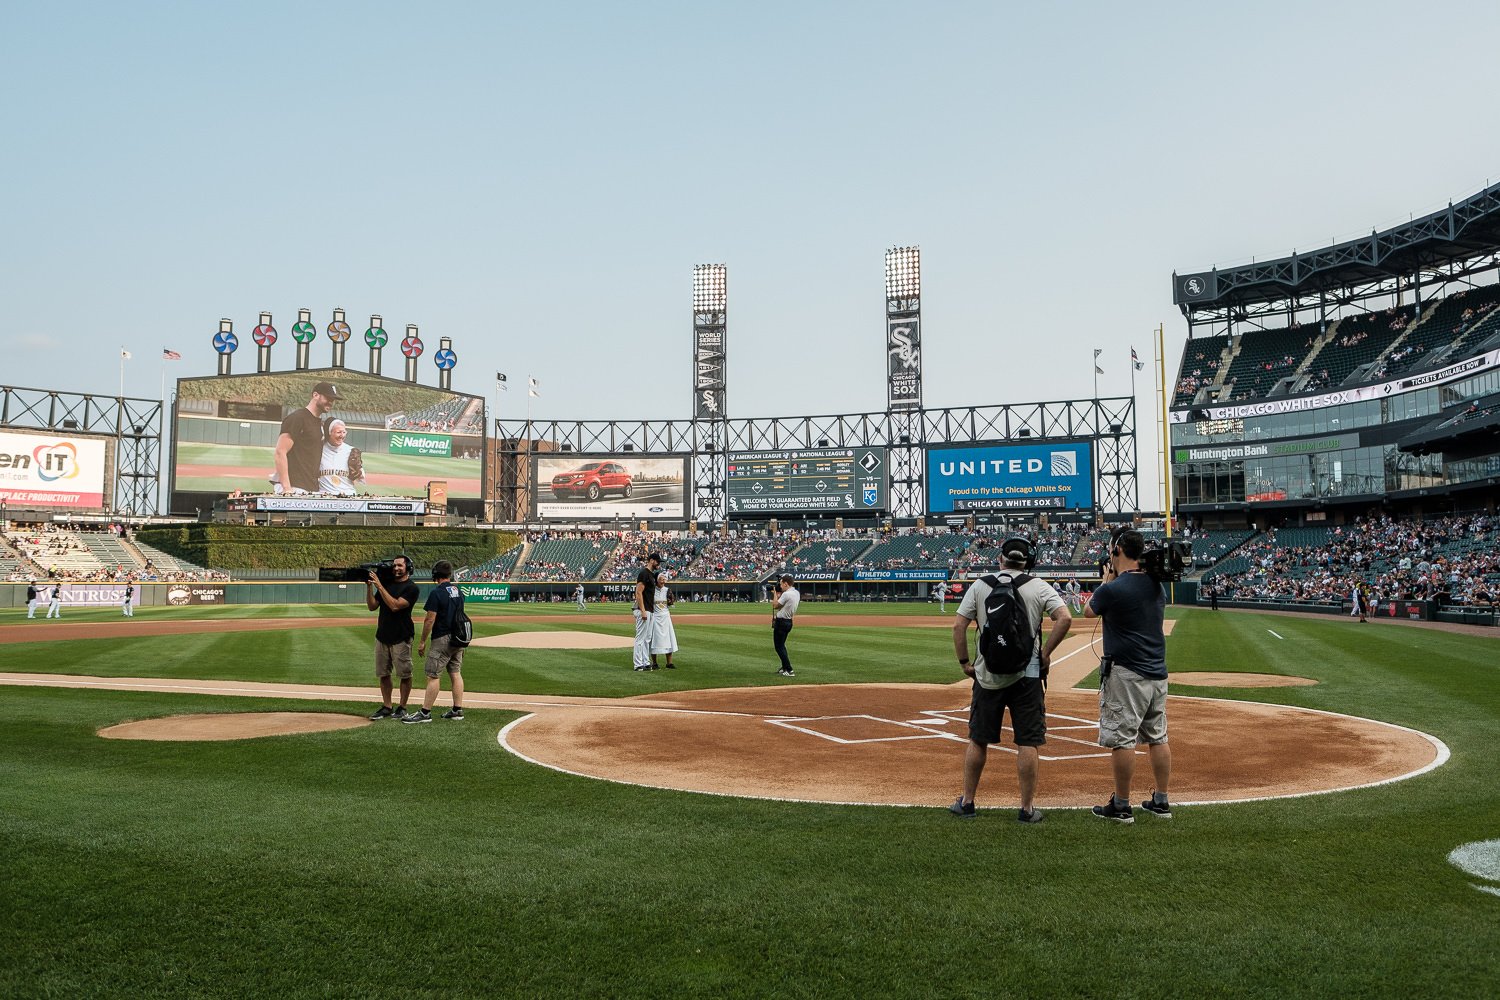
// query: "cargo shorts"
[[1132, 709], [441, 656], [393, 659]]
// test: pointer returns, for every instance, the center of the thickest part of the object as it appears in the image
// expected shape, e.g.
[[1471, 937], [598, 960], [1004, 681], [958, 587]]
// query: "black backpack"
[[1008, 638], [461, 631]]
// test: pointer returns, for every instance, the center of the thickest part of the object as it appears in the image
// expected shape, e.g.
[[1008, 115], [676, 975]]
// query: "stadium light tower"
[[710, 326], [903, 399]]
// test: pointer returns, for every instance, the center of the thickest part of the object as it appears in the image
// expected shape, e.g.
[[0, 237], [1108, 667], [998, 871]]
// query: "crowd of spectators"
[[1452, 559], [60, 552]]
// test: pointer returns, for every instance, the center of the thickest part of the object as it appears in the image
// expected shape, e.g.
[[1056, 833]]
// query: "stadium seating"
[[943, 550], [823, 556], [1200, 366], [566, 559], [751, 557], [1354, 342], [1266, 357], [160, 565], [499, 568], [1427, 342]]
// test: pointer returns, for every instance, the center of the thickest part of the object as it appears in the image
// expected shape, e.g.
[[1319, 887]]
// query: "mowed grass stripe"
[[392, 860]]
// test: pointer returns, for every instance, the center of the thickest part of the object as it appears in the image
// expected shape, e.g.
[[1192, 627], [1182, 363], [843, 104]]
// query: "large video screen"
[[594, 487], [814, 480], [1048, 476], [380, 437], [53, 470]]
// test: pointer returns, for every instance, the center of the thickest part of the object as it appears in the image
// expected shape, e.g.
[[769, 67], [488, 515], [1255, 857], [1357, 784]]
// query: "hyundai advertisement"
[[1012, 477], [602, 487]]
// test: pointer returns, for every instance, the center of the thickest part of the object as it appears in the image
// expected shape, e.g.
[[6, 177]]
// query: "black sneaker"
[[671, 666], [787, 673], [456, 714], [1033, 816], [960, 808], [1155, 808], [643, 668], [1120, 814], [383, 712], [422, 716]]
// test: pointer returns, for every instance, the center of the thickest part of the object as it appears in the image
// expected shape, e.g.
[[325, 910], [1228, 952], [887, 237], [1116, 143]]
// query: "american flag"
[[170, 355], [1136, 360]]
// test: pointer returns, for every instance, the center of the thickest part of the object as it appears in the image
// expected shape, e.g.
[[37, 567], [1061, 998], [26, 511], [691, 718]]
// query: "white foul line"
[[1273, 632]]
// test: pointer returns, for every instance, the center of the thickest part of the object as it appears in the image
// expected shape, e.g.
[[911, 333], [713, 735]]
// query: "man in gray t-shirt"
[[1024, 692]]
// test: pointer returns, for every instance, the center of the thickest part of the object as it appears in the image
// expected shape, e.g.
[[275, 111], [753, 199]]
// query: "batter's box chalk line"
[[927, 728]]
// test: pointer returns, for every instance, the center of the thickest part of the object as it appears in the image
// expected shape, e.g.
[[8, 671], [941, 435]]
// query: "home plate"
[[556, 640]]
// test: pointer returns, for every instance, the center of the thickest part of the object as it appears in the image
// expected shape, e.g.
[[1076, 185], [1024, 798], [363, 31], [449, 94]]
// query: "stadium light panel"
[[710, 287], [903, 273]]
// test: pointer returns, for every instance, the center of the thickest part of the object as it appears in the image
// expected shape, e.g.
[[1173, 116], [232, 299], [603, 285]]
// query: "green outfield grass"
[[398, 860]]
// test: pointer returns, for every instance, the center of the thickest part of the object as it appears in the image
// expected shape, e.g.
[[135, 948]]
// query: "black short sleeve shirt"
[[648, 579], [306, 432], [395, 627]]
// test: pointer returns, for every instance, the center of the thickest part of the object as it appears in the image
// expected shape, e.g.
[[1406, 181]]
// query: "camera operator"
[[1132, 675], [394, 630]]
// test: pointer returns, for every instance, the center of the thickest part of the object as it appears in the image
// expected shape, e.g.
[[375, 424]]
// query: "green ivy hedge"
[[243, 546]]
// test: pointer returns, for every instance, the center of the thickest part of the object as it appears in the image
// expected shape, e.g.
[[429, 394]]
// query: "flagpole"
[[122, 372]]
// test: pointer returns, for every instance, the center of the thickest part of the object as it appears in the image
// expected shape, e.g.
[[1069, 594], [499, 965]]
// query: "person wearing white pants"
[[663, 635], [645, 603], [54, 603], [32, 595], [127, 607]]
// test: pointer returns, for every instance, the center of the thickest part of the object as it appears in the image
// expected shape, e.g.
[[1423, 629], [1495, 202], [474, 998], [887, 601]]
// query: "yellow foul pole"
[[1165, 476]]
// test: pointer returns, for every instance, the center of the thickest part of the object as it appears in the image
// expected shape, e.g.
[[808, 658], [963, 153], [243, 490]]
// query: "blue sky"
[[537, 181]]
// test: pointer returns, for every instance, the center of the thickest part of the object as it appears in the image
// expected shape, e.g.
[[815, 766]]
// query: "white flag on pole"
[[532, 387], [500, 381], [124, 354]]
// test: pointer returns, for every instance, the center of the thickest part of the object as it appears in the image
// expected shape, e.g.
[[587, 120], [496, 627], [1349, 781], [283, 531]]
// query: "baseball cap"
[[327, 389]]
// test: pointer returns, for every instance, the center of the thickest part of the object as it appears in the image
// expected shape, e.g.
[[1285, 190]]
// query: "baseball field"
[[717, 830]]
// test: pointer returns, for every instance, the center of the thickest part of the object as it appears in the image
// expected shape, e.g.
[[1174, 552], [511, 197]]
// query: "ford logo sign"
[[655, 510]]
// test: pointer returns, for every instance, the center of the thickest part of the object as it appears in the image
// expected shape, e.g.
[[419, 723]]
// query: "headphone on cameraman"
[[1024, 546]]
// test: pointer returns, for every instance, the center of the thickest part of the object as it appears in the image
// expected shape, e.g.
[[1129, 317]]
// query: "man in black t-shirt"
[[31, 599], [645, 603], [299, 448], [1132, 676], [444, 603], [393, 633]]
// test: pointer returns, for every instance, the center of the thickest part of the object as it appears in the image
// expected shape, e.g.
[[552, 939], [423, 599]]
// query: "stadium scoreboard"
[[815, 480]]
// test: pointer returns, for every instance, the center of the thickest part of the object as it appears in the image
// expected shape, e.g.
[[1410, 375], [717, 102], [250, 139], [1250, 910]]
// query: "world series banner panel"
[[52, 470], [381, 437], [1011, 477], [815, 480], [594, 487]]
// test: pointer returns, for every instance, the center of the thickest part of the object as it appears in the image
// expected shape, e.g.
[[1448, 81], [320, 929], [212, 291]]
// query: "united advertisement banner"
[[39, 470], [1050, 476], [903, 347]]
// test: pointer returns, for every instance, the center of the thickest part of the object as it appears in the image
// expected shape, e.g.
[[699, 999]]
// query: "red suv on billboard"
[[592, 480]]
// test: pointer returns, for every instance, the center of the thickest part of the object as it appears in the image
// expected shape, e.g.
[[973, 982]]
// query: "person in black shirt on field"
[[1132, 676], [645, 603], [442, 607], [393, 633], [299, 448], [31, 599]]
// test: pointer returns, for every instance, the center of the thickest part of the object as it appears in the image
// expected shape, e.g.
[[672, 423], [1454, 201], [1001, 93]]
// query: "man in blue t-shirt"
[[442, 607], [1132, 675]]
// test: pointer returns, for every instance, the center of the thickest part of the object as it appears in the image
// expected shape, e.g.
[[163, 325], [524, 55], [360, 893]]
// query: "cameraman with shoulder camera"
[[1132, 675], [393, 598]]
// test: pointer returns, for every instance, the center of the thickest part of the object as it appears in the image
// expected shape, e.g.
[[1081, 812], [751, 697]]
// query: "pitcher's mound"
[[1205, 678], [239, 726], [556, 640]]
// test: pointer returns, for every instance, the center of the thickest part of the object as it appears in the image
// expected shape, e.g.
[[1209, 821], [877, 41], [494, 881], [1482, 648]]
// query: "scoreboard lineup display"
[[822, 480]]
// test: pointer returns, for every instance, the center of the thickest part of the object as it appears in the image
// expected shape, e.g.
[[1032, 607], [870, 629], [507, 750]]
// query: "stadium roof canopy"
[[1462, 232]]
